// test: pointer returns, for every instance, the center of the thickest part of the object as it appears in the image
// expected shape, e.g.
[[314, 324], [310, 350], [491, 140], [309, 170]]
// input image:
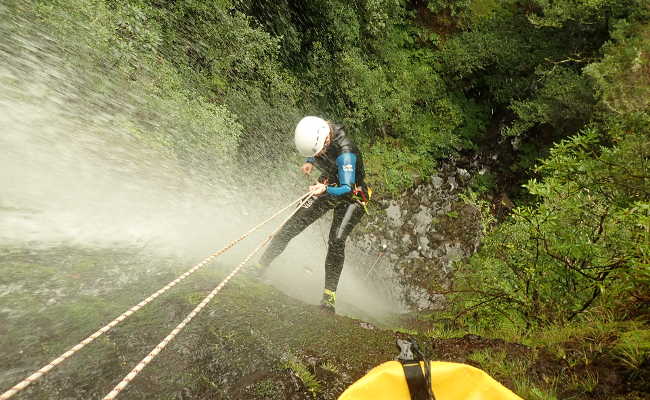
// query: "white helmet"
[[311, 133]]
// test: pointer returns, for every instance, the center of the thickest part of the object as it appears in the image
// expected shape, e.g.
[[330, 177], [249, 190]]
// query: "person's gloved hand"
[[318, 189], [307, 168]]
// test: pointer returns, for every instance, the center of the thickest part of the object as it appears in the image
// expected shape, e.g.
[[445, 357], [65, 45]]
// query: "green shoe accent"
[[257, 270], [328, 302]]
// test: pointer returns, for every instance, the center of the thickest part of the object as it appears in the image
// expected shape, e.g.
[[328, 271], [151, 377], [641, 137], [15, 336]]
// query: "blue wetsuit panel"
[[339, 190], [346, 164]]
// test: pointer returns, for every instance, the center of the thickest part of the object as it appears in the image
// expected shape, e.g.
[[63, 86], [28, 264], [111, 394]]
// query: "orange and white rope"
[[47, 368], [145, 361]]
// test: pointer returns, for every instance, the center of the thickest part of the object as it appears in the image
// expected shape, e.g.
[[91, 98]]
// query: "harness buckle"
[[359, 195]]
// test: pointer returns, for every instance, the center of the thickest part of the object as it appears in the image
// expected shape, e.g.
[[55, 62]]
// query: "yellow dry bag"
[[449, 381]]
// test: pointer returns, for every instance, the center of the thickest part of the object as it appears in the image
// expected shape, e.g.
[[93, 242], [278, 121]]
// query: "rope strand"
[[145, 361], [47, 368]]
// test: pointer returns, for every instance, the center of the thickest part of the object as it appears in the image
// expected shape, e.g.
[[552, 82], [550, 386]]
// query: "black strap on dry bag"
[[416, 382], [419, 383]]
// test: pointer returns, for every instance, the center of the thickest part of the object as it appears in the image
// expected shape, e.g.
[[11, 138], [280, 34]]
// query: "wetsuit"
[[342, 170]]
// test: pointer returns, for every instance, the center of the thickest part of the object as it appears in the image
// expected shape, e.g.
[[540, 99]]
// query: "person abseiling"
[[340, 187]]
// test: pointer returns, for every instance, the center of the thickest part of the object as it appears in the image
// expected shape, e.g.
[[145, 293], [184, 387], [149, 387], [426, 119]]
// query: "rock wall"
[[421, 234]]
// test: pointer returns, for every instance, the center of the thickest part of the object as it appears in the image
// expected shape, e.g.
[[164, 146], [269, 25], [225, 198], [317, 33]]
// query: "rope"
[[145, 361], [47, 368], [381, 254]]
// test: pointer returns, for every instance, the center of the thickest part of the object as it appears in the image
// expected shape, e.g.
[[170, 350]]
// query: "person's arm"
[[308, 165], [346, 164]]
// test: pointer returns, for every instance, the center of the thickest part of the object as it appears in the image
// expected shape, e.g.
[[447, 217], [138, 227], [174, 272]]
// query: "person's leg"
[[309, 213], [346, 216]]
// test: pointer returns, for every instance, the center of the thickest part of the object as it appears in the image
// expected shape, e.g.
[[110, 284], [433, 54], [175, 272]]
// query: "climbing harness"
[[359, 195], [47, 368]]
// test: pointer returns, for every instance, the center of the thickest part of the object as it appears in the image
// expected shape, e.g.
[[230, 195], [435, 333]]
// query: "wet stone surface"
[[422, 233], [250, 342]]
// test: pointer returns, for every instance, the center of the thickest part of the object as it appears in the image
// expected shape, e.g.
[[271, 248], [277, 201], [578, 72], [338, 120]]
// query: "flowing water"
[[93, 218]]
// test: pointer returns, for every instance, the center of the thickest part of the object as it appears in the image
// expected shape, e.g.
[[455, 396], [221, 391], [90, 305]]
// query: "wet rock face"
[[422, 233]]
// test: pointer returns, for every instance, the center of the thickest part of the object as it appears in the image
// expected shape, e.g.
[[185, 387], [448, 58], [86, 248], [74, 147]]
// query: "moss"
[[633, 348], [308, 379], [241, 344], [266, 389]]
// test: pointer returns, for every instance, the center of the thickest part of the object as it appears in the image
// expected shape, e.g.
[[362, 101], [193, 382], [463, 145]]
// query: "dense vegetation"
[[563, 87], [414, 81]]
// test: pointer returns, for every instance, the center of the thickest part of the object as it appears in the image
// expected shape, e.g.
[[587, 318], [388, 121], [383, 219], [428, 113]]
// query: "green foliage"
[[528, 390], [497, 363], [623, 75], [454, 7], [367, 65], [633, 348], [267, 389], [565, 101], [397, 96], [584, 243], [331, 367], [312, 384], [215, 80], [445, 333], [413, 82], [526, 63], [557, 14], [510, 59], [594, 330], [238, 74], [122, 49], [483, 183], [392, 166], [473, 197], [221, 56]]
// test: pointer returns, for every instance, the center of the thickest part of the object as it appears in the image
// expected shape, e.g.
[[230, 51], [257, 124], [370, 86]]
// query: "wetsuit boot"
[[328, 302], [257, 270]]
